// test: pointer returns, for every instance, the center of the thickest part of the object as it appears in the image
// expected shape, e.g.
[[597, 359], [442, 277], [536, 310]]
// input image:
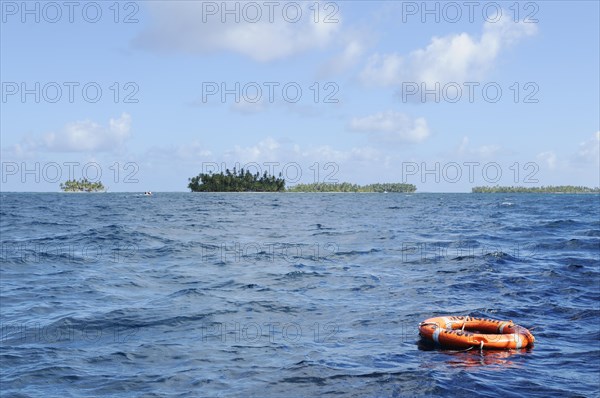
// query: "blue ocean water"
[[294, 295]]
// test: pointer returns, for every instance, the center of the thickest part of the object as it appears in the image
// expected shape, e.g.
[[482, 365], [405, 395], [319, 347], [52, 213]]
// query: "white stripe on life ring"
[[501, 327], [518, 340], [436, 335]]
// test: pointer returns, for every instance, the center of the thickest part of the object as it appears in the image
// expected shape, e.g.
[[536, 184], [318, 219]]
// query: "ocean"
[[294, 294]]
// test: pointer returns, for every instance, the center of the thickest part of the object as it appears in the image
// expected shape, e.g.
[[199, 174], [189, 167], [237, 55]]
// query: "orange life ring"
[[466, 331]]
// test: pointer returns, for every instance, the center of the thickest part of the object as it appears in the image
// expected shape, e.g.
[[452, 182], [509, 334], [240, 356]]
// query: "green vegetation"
[[348, 187], [548, 189], [242, 181], [83, 185]]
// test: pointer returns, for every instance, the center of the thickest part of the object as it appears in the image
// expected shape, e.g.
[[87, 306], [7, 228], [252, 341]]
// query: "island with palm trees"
[[83, 185], [244, 181], [349, 187], [543, 189], [236, 181]]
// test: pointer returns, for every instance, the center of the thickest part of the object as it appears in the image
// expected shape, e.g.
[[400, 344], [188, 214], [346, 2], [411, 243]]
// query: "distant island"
[[546, 189], [83, 185], [236, 181], [348, 187], [244, 181]]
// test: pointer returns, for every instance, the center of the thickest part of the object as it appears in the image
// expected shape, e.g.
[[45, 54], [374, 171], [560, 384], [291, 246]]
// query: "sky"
[[443, 95]]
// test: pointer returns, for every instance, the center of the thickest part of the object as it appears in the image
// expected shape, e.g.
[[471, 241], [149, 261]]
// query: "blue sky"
[[361, 115]]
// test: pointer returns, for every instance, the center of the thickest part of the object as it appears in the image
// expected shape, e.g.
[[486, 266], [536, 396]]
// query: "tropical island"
[[236, 181], [83, 185], [244, 181], [543, 189], [348, 187]]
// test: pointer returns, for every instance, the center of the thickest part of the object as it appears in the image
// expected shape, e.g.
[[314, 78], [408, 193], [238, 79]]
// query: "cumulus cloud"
[[384, 70], [392, 127], [452, 58], [78, 136], [265, 150], [26, 149], [339, 63], [589, 150], [272, 150], [200, 27], [548, 158], [87, 136], [586, 155]]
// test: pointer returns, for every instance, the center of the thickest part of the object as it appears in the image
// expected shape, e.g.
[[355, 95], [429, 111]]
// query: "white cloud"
[[26, 149], [191, 27], [483, 151], [464, 146], [341, 62], [301, 163], [587, 154], [271, 150], [548, 158], [392, 127], [589, 151], [79, 136], [265, 150], [86, 135], [384, 70], [451, 58], [193, 151]]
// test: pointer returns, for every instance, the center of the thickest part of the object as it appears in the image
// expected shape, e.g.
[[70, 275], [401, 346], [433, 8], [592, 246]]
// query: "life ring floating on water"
[[468, 332]]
